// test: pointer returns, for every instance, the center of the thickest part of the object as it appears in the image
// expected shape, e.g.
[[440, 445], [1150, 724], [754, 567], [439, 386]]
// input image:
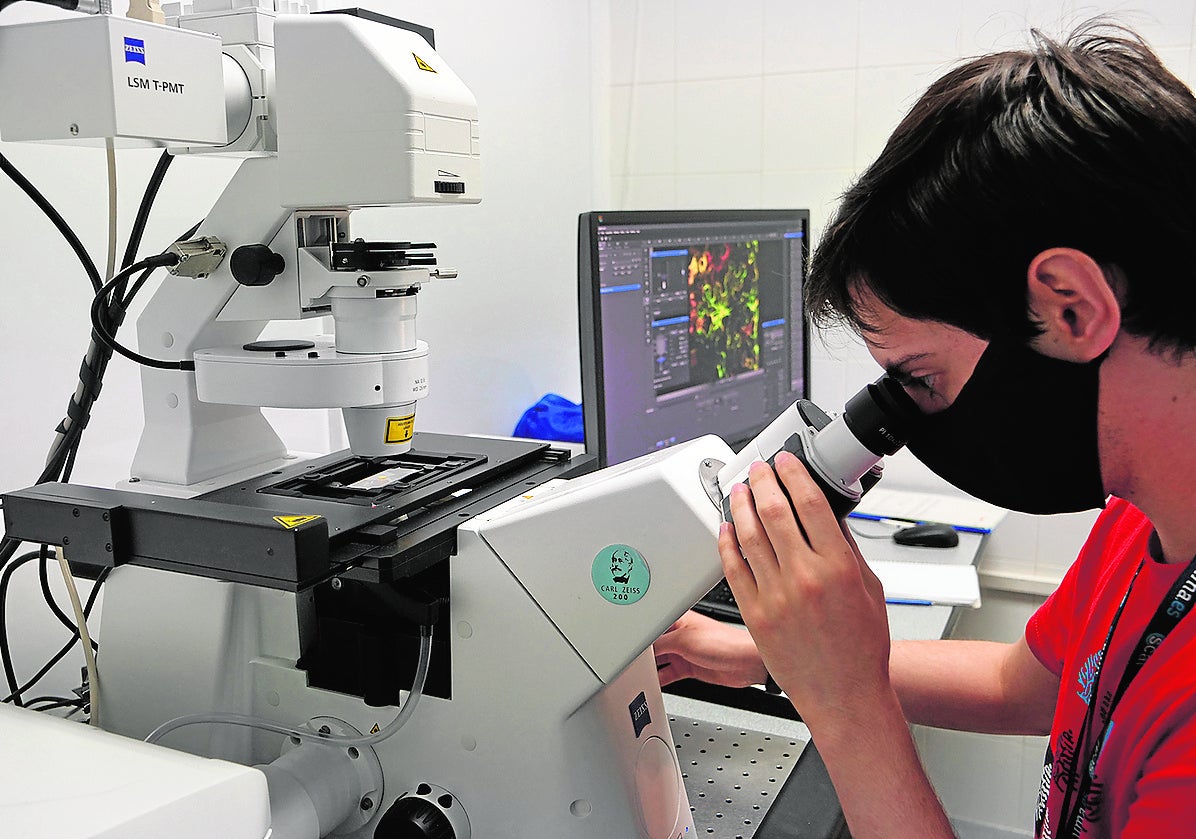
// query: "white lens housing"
[[380, 432], [838, 455]]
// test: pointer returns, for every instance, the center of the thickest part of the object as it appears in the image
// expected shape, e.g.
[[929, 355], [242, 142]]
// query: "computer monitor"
[[691, 324]]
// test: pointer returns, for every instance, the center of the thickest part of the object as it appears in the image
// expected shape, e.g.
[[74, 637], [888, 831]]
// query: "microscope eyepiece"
[[882, 416], [843, 454]]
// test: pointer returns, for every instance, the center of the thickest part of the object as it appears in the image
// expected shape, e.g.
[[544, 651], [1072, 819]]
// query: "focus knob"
[[414, 818], [256, 265]]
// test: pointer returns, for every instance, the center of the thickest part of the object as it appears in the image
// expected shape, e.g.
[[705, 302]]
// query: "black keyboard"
[[720, 603]]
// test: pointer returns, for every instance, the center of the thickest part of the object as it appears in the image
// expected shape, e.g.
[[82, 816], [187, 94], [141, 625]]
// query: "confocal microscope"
[[425, 635]]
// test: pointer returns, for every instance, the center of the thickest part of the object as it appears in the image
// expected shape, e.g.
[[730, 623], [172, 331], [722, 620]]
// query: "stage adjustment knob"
[[256, 265]]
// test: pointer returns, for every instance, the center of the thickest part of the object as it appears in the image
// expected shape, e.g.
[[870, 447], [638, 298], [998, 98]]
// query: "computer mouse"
[[927, 536]]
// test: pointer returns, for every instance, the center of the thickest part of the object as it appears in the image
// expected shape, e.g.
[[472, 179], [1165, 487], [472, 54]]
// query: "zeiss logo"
[[134, 50]]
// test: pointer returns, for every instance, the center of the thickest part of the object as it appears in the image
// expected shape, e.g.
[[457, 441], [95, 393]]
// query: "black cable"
[[69, 466], [95, 362], [59, 453], [61, 460], [143, 211], [66, 648], [52, 702], [128, 299], [57, 220], [190, 232], [64, 703], [41, 699], [58, 656], [6, 653], [53, 706], [95, 592], [43, 568], [70, 429], [138, 229], [100, 330]]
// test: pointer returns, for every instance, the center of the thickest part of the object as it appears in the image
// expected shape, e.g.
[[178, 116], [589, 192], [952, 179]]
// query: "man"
[[621, 562], [1019, 258]]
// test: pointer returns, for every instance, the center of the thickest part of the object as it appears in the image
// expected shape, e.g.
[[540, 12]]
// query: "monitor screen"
[[691, 324]]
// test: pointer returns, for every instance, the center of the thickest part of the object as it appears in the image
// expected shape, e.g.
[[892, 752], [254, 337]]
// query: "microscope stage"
[[381, 519]]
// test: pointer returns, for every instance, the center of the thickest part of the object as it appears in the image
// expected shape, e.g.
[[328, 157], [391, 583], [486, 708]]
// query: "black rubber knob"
[[414, 818], [256, 265]]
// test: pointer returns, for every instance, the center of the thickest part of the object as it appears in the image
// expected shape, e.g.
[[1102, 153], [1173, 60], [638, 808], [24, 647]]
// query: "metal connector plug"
[[198, 257]]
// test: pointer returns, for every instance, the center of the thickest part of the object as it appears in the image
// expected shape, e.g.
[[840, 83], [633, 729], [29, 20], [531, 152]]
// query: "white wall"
[[781, 103], [501, 336]]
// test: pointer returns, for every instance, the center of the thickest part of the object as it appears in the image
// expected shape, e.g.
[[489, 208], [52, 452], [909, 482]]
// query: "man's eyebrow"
[[899, 366]]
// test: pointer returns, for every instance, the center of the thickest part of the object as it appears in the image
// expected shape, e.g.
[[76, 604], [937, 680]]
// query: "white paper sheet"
[[942, 585]]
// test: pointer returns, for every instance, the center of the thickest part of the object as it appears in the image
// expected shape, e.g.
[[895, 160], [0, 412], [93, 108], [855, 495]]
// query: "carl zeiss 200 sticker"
[[621, 574]]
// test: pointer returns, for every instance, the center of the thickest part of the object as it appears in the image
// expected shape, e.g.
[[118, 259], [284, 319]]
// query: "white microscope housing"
[[347, 113]]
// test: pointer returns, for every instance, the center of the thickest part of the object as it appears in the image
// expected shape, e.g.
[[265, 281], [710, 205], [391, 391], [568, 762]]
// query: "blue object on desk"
[[552, 418], [904, 601], [962, 528]]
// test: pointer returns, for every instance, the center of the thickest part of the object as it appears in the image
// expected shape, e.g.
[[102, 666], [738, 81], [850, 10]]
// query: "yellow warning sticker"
[[375, 729], [399, 429], [291, 522], [421, 64]]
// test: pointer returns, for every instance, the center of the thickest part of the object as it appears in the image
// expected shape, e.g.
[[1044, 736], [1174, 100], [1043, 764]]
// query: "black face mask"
[[1022, 434]]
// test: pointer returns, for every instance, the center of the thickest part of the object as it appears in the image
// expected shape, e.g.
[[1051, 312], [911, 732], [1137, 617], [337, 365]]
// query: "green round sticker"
[[621, 574]]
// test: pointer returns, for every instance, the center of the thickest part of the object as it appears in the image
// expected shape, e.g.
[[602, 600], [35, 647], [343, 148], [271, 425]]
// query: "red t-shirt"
[[1145, 781]]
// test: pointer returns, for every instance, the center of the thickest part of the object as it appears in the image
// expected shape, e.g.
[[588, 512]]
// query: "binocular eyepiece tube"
[[843, 454]]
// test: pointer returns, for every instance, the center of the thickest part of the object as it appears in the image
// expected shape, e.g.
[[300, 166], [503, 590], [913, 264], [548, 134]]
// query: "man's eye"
[[906, 380]]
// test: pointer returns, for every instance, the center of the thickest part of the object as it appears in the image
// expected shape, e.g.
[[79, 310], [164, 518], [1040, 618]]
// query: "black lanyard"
[[1180, 600]]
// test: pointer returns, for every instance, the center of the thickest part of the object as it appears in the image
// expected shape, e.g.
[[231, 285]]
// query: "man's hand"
[[815, 609], [698, 647], [817, 613]]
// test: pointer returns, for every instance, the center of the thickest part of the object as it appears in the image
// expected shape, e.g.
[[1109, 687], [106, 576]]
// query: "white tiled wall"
[[773, 103]]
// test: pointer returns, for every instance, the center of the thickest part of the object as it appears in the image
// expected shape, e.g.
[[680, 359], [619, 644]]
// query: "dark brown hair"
[[1087, 143]]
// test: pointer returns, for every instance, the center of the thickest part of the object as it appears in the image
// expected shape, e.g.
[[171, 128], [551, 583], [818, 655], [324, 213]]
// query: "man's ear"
[[1073, 303]]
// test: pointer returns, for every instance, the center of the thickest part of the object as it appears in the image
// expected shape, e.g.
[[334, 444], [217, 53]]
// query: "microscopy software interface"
[[702, 330]]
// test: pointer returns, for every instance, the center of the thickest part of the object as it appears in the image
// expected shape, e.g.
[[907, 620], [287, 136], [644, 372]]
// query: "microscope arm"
[[335, 152], [187, 441]]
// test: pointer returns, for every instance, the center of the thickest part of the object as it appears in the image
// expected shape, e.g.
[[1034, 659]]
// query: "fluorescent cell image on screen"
[[724, 304]]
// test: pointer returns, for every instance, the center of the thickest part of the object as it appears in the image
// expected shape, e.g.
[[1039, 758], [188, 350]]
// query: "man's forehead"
[[904, 361]]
